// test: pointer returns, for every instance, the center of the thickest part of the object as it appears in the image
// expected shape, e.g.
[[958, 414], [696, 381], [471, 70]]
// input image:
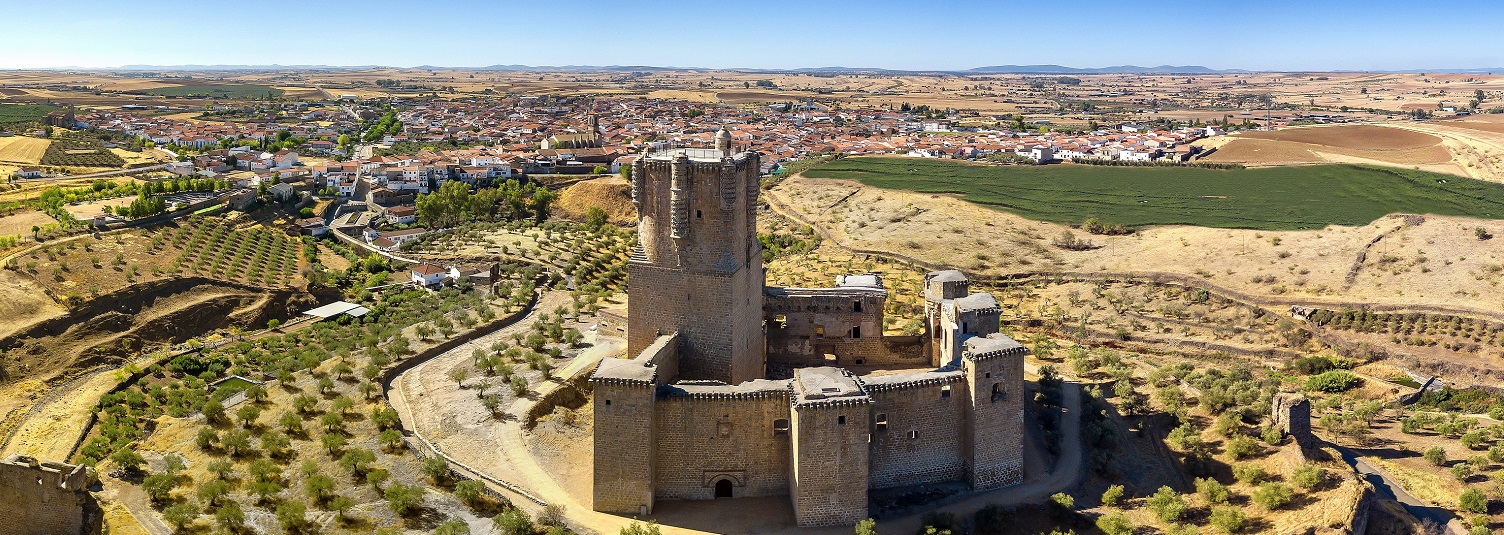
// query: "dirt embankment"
[[114, 326], [612, 194]]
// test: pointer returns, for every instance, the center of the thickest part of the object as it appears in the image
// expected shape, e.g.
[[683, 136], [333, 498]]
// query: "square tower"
[[697, 268], [994, 367]]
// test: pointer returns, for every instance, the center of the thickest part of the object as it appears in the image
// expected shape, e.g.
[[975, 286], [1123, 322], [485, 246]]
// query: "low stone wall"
[[45, 498]]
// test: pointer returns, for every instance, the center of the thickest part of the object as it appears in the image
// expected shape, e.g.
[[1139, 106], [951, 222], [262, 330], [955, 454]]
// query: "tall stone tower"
[[697, 269]]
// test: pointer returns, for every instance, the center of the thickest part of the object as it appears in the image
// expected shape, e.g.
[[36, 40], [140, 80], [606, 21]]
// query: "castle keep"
[[739, 390]]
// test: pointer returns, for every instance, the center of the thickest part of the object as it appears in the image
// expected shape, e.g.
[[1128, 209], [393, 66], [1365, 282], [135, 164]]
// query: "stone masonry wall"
[[829, 479], [996, 426], [42, 498], [923, 441], [623, 456], [701, 440]]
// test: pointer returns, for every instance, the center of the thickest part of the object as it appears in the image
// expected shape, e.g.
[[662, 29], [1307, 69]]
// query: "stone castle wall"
[[624, 447], [39, 498], [923, 440], [803, 330], [702, 438], [995, 432], [828, 483]]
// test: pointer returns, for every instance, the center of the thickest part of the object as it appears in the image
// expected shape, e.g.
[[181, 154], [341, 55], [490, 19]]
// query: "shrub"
[[1062, 503], [1273, 496], [469, 491], [1333, 381], [515, 522], [1436, 455], [1473, 501], [405, 499], [1308, 476], [990, 519], [1272, 436], [1248, 473], [1112, 496], [638, 528], [1115, 523], [1462, 471], [1211, 489], [1242, 446], [1227, 518], [1167, 504]]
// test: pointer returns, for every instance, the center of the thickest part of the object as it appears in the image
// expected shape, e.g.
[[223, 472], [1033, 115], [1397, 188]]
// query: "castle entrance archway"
[[723, 488]]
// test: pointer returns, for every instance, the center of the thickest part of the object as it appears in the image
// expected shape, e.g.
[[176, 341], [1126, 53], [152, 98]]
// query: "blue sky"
[[930, 34]]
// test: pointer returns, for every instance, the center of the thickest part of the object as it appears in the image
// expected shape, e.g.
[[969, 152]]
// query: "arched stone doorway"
[[723, 488]]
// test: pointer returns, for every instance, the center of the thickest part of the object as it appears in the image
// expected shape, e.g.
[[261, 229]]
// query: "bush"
[[515, 522], [991, 519], [1308, 476], [1115, 523], [1242, 446], [1248, 473], [1227, 518], [1211, 489], [1436, 455], [1473, 501], [1112, 496], [1062, 503], [1272, 436], [1273, 496], [404, 499], [1167, 504], [638, 528], [1333, 381]]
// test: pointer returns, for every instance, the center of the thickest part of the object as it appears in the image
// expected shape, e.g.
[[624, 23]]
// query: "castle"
[[735, 389]]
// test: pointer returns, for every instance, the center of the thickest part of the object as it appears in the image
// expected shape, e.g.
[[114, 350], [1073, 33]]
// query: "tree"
[[159, 487], [437, 469], [248, 414], [452, 527], [595, 218], [127, 459], [1115, 523], [340, 503], [180, 515], [212, 491], [265, 490], [304, 403], [515, 522], [384, 418], [221, 469], [236, 441], [290, 423], [1212, 490], [458, 375], [356, 459], [1436, 456], [1228, 519], [206, 439], [341, 405], [1473, 501], [1112, 496], [264, 470], [469, 491], [319, 486], [230, 517], [332, 421], [292, 515], [376, 477], [332, 441], [213, 411], [1272, 496], [1167, 504], [403, 499]]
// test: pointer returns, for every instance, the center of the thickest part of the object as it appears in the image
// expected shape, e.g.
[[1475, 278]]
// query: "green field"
[[215, 91], [1282, 198], [24, 113]]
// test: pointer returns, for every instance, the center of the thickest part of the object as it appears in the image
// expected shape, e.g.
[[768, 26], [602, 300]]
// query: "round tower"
[[723, 141]]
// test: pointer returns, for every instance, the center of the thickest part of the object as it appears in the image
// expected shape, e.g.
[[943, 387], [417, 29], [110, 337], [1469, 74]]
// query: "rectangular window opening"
[[856, 331], [841, 420], [780, 427], [944, 392], [856, 306], [882, 422]]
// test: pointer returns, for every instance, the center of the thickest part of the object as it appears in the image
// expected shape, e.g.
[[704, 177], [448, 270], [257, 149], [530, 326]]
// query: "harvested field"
[[20, 224], [676, 94], [1363, 137], [22, 149], [1263, 152]]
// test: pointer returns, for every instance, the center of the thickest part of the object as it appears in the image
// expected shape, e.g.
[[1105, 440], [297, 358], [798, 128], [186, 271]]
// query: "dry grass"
[[20, 224], [612, 194], [22, 149]]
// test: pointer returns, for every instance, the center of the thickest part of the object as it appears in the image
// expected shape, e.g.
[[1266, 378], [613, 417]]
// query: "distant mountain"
[[240, 67], [1120, 69]]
